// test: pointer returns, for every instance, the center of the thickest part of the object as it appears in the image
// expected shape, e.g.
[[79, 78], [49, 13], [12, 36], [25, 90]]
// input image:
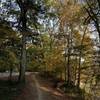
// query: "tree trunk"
[[79, 69], [68, 68], [10, 74], [75, 75], [68, 62], [65, 68], [23, 27], [23, 60], [80, 56]]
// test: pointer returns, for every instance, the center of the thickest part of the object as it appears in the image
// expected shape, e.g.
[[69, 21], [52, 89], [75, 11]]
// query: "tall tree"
[[24, 15], [25, 7], [22, 24]]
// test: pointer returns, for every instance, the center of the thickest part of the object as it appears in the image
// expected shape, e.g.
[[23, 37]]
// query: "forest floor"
[[35, 88]]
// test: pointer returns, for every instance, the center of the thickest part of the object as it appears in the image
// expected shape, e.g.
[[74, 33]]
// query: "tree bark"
[[23, 27], [10, 74], [68, 62], [23, 60]]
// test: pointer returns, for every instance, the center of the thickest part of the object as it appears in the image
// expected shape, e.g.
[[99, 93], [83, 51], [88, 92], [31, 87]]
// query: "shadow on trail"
[[9, 89]]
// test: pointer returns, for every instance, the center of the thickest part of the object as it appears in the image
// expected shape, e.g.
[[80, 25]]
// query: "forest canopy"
[[58, 38]]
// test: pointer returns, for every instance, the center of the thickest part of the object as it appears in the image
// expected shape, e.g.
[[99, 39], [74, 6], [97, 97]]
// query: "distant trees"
[[92, 8], [69, 15]]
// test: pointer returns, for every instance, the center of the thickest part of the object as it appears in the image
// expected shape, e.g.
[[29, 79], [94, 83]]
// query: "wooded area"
[[59, 39]]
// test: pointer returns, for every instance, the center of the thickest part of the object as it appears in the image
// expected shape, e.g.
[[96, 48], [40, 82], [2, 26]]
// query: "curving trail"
[[45, 92], [38, 88]]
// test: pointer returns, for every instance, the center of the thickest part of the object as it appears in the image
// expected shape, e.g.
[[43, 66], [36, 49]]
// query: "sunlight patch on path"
[[45, 92], [52, 91], [37, 87]]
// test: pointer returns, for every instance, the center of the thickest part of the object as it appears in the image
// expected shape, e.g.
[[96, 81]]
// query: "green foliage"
[[8, 60], [61, 28], [98, 77], [8, 40]]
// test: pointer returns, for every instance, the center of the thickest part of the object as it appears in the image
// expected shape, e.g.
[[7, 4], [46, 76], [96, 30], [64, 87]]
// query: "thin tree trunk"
[[23, 60], [79, 69], [68, 62], [65, 68], [10, 74], [75, 77], [80, 56]]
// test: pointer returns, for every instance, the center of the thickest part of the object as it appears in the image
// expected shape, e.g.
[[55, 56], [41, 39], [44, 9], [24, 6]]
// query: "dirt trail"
[[38, 88], [45, 91]]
